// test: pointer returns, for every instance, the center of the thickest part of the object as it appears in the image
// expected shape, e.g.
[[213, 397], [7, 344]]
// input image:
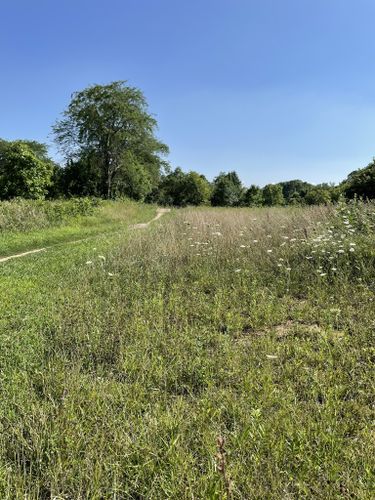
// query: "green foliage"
[[182, 189], [296, 199], [25, 170], [134, 179], [318, 196], [108, 133], [252, 197], [272, 195], [361, 183], [80, 177], [227, 190], [295, 190]]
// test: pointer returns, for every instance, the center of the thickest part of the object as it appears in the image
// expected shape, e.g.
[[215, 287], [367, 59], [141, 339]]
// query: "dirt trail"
[[159, 213]]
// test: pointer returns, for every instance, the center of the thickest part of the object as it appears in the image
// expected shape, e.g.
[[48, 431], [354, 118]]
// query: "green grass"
[[109, 217], [125, 357]]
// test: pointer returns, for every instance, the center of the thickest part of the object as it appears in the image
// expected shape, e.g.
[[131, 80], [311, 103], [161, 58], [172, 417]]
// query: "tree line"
[[107, 138]]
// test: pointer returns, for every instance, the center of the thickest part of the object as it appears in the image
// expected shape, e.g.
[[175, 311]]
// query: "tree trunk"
[[109, 184]]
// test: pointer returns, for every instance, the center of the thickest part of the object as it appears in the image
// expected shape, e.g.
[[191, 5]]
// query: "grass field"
[[25, 226], [218, 353]]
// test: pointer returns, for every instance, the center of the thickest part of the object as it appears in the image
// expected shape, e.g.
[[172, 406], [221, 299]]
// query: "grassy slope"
[[119, 376], [111, 216]]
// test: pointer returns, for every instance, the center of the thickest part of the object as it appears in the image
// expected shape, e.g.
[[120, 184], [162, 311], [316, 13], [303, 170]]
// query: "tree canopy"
[[252, 197], [273, 195], [227, 190], [182, 189], [108, 131], [25, 169], [295, 190], [361, 183]]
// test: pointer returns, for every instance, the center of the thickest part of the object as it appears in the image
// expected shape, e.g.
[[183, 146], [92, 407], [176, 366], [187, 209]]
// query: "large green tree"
[[361, 182], [318, 195], [252, 197], [294, 191], [25, 169], [272, 195], [227, 190], [182, 189], [108, 130]]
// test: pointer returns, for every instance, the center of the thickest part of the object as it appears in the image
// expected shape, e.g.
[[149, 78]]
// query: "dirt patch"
[[159, 213], [23, 254]]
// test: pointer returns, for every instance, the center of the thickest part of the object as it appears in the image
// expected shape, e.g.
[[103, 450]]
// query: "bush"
[[25, 170]]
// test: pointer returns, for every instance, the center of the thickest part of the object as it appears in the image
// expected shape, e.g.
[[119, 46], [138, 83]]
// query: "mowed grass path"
[[109, 217], [126, 358]]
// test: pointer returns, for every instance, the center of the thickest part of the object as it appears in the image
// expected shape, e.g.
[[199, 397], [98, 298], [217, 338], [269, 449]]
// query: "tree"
[[109, 128], [295, 190], [25, 169], [295, 199], [80, 177], [252, 197], [227, 190], [361, 182], [273, 195], [196, 189], [134, 180], [319, 195], [182, 189]]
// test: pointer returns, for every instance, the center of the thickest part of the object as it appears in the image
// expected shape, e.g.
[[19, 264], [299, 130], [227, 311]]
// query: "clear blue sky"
[[275, 89]]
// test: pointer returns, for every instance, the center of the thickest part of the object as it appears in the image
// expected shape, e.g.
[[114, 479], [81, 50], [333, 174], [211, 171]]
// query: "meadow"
[[217, 353]]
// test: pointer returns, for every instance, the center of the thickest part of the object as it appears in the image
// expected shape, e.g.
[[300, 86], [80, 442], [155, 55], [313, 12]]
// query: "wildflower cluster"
[[101, 260]]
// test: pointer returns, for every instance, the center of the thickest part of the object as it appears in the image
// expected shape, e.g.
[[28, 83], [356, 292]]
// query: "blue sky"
[[275, 89]]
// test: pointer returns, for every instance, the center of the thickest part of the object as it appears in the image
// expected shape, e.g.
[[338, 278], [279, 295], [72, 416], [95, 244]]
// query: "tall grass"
[[220, 353], [27, 215]]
